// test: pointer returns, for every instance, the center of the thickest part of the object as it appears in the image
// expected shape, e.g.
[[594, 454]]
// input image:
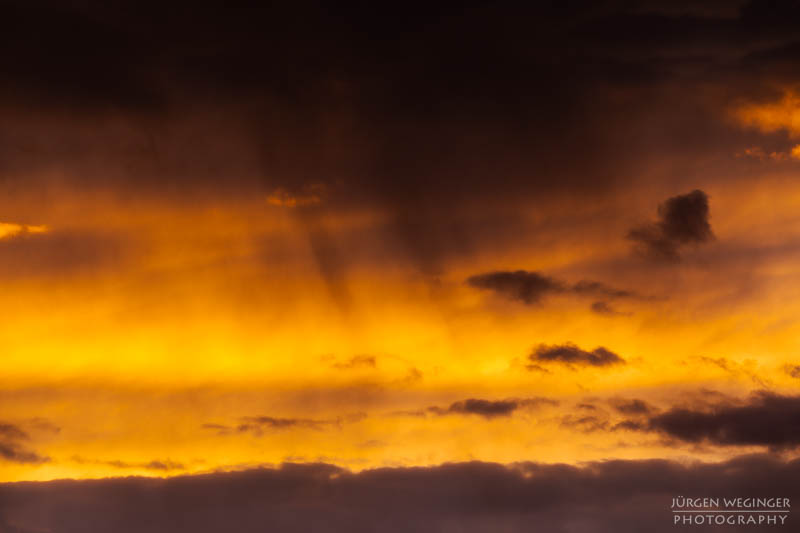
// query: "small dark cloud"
[[14, 445], [15, 454], [493, 408], [532, 287], [570, 354], [537, 368], [12, 432], [793, 370], [358, 361], [682, 220], [527, 287], [258, 425], [163, 465], [484, 408], [481, 407]]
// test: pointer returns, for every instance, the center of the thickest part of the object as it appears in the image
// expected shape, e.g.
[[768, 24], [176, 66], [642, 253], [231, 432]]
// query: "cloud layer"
[[602, 497]]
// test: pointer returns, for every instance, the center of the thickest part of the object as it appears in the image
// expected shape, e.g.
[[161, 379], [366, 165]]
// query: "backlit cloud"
[[683, 220], [571, 355]]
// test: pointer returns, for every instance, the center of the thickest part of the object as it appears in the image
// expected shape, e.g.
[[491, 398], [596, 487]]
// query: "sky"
[[356, 253]]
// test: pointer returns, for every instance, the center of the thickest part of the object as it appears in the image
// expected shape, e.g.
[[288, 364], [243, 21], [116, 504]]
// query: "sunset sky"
[[370, 239]]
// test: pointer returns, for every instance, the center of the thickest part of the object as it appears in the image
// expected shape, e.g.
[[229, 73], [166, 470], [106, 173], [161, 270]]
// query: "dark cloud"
[[406, 115], [10, 431], [570, 354], [14, 445], [383, 86], [682, 221], [481, 407], [527, 287], [492, 408], [793, 370], [531, 287], [163, 465], [484, 408], [764, 419], [258, 425], [602, 497], [767, 419]]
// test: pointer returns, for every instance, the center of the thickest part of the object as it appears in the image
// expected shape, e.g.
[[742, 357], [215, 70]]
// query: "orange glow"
[[151, 364], [773, 116]]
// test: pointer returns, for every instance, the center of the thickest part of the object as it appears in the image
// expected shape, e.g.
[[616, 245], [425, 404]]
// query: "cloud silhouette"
[[682, 220], [14, 445], [766, 419], [527, 287], [471, 497], [570, 354], [532, 287]]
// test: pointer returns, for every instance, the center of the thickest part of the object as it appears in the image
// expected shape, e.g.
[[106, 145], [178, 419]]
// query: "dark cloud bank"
[[611, 496], [441, 117]]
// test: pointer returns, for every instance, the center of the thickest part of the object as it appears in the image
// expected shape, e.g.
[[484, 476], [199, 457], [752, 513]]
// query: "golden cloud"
[[8, 229], [783, 114]]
